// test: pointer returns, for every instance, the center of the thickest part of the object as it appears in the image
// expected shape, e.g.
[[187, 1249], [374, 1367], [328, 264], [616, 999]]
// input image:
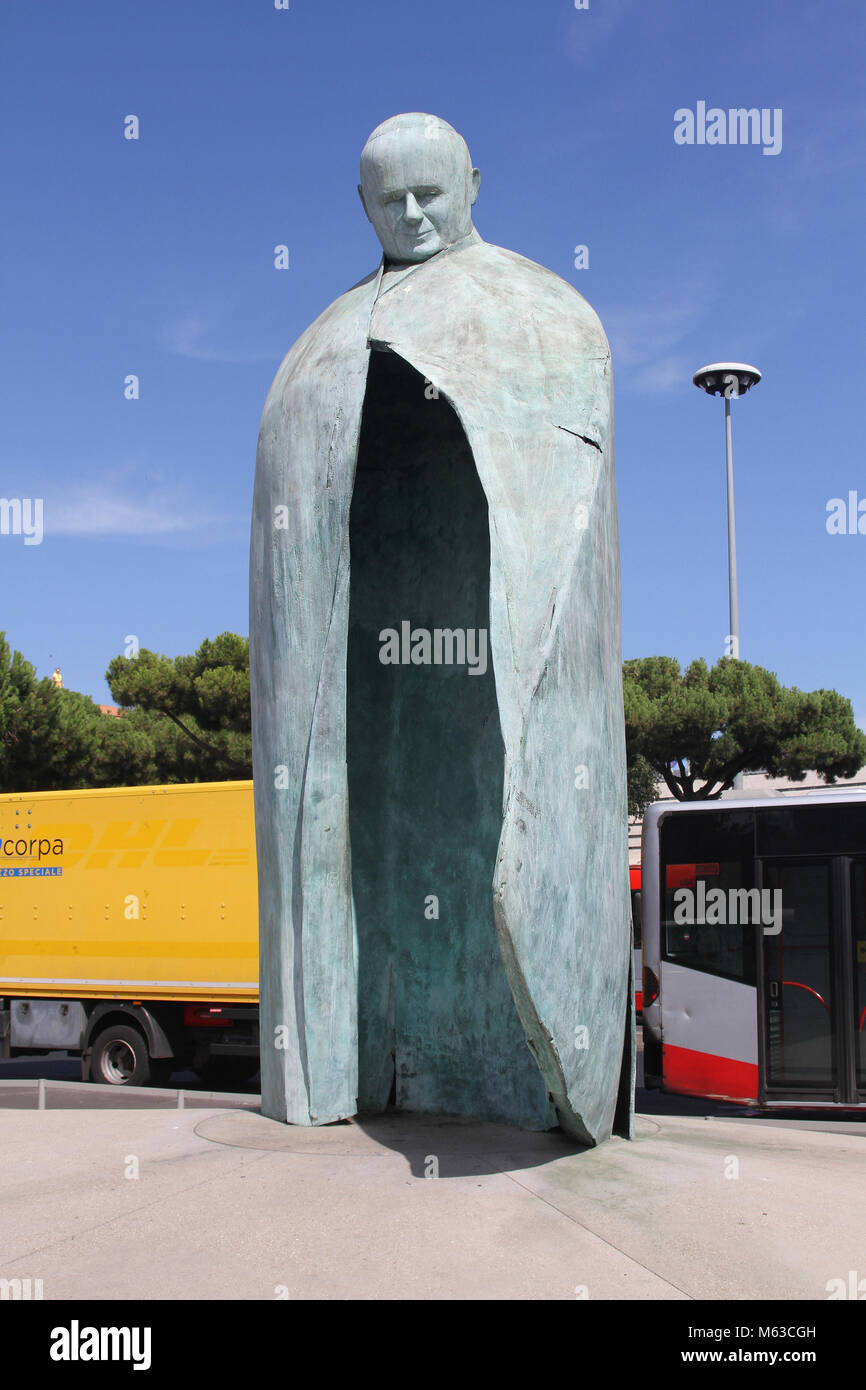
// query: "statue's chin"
[[412, 252], [424, 250], [413, 257]]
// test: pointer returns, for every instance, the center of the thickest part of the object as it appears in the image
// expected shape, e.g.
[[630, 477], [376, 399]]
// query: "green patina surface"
[[438, 1028]]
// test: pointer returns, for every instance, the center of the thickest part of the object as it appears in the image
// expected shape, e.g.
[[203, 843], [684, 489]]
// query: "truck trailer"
[[129, 930]]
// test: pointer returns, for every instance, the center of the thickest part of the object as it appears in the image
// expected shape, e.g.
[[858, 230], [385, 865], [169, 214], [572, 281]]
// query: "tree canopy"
[[184, 719], [642, 785], [47, 735], [698, 728], [187, 719], [206, 697]]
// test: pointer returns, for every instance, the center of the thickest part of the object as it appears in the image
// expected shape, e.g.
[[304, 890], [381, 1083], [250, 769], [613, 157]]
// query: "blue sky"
[[155, 257]]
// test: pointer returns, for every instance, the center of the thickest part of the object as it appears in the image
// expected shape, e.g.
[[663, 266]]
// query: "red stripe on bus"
[[702, 1074]]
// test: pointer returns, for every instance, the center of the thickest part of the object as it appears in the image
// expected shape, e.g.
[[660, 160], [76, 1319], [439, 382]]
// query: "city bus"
[[754, 949]]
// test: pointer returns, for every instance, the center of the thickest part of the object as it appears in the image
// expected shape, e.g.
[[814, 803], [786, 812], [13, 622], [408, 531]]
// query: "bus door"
[[813, 983], [858, 971]]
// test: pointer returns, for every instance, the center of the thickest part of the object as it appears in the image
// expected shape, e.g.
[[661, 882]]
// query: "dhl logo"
[[125, 844]]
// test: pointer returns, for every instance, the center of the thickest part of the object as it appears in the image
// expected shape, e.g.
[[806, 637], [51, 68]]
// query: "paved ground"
[[75, 1095], [219, 1202]]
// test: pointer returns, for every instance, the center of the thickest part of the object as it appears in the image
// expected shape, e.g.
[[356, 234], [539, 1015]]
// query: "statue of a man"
[[443, 885]]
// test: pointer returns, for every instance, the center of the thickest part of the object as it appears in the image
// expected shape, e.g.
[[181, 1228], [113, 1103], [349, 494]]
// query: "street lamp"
[[729, 379]]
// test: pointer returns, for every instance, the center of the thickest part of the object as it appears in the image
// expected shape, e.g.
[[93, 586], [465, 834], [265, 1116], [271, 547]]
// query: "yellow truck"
[[129, 930]]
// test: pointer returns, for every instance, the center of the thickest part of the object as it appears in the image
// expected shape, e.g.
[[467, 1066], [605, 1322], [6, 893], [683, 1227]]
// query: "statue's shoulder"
[[532, 289], [338, 329], [345, 308]]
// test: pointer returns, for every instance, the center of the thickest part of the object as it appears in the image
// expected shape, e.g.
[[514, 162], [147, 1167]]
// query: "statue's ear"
[[363, 204], [476, 183]]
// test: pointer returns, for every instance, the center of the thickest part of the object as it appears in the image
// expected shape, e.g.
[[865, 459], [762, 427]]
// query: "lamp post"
[[729, 379]]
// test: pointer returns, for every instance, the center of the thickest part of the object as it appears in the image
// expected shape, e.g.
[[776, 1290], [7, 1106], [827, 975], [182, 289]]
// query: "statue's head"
[[417, 186]]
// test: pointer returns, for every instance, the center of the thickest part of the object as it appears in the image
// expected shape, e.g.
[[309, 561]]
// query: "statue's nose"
[[412, 212]]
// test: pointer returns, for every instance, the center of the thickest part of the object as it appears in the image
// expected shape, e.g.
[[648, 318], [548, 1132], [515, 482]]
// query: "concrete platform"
[[227, 1204]]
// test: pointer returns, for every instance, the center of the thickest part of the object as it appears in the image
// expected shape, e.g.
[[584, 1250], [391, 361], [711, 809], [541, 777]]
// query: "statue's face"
[[418, 190]]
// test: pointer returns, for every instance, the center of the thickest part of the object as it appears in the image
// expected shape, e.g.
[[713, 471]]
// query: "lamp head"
[[727, 378]]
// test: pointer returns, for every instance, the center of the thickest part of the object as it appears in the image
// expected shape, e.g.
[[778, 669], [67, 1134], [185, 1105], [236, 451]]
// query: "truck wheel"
[[119, 1057]]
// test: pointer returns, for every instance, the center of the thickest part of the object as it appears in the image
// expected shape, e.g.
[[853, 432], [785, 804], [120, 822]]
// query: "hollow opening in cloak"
[[438, 1028]]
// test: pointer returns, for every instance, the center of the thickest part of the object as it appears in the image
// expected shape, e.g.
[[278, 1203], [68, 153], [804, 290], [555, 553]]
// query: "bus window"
[[706, 859], [698, 906]]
